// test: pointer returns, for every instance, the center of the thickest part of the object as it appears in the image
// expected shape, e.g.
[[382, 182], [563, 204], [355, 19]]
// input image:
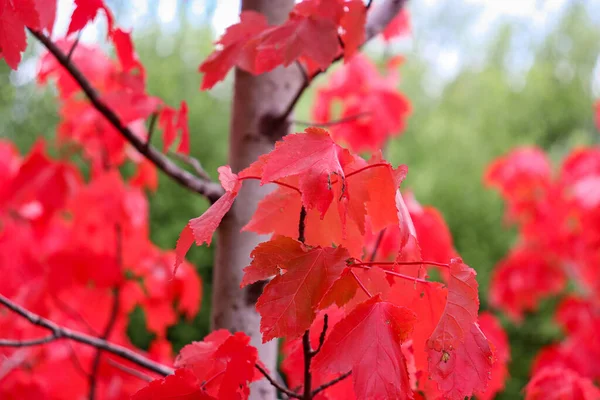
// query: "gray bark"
[[257, 100]]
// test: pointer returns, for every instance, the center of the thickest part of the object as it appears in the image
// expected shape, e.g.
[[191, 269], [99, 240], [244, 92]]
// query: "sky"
[[447, 56]]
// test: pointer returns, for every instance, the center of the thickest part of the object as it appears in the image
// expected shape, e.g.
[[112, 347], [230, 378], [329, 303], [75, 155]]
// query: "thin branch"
[[322, 336], [331, 383], [60, 332], [275, 384], [27, 342], [130, 371], [378, 19], [209, 189], [192, 162], [344, 120], [306, 349], [360, 284], [74, 46], [151, 127], [377, 244], [112, 318], [302, 224], [392, 273]]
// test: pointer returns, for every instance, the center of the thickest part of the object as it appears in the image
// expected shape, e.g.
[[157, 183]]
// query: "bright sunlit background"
[[483, 77]]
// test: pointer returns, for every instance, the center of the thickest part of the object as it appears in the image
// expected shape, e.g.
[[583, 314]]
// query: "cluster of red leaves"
[[315, 34], [401, 335], [558, 216], [77, 250], [66, 247], [372, 109], [15, 16]]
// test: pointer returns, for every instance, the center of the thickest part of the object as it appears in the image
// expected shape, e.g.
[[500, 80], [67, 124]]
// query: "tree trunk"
[[257, 101]]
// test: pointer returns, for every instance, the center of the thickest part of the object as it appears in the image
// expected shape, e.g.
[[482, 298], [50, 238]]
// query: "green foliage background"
[[482, 112]]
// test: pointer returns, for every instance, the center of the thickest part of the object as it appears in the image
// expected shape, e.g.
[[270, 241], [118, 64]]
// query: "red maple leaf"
[[400, 26], [523, 279], [225, 363], [554, 383], [14, 17], [500, 347], [202, 228], [372, 108], [460, 358], [182, 385], [85, 11], [234, 48], [289, 302], [368, 342], [312, 156]]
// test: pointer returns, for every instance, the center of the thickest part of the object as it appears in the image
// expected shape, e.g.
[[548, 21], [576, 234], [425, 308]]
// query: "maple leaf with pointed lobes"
[[460, 357], [225, 362], [314, 157], [172, 121], [182, 385], [289, 302], [202, 228], [14, 17], [368, 342], [235, 48], [85, 12]]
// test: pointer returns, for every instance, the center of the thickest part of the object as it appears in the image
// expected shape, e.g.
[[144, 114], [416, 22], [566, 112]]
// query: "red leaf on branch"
[[223, 362], [289, 302], [368, 342], [460, 358], [14, 17], [202, 228], [400, 26], [315, 158], [234, 48], [85, 12], [183, 385]]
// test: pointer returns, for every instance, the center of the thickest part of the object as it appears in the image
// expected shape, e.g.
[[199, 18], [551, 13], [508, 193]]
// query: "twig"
[[377, 19], [130, 371], [277, 386], [192, 162], [322, 337], [377, 244], [331, 383], [74, 46], [112, 319], [302, 224], [333, 122], [60, 332], [151, 127], [307, 359], [27, 342], [360, 284], [209, 189]]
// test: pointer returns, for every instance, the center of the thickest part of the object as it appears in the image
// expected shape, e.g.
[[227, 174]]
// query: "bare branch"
[[74, 46], [322, 337], [112, 318], [130, 371], [28, 342], [378, 18], [151, 127], [349, 118], [192, 162], [209, 189], [331, 383], [306, 349], [277, 386], [59, 332], [377, 244]]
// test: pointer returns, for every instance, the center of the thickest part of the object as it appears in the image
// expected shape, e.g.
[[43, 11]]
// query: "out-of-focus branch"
[[60, 332], [209, 189]]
